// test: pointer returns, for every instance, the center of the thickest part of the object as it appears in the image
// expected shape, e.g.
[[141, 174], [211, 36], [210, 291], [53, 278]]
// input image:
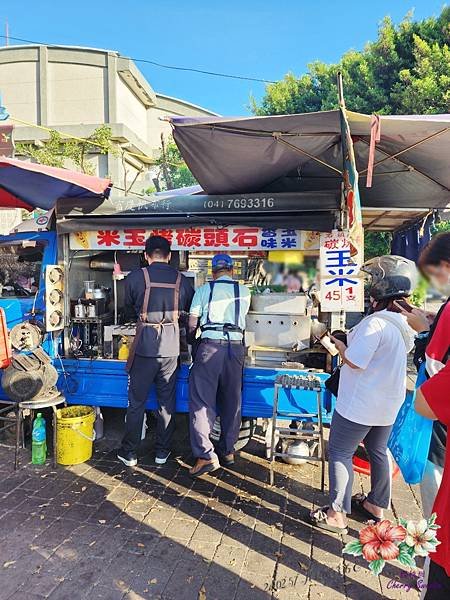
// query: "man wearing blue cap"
[[218, 309]]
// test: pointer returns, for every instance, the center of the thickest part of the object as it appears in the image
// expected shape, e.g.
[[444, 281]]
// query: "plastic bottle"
[[39, 441], [124, 349], [98, 424]]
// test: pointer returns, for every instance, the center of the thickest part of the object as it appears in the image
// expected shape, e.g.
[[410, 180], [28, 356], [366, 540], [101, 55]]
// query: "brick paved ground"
[[99, 530]]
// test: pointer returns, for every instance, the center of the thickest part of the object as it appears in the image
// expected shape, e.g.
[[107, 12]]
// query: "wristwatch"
[[422, 335]]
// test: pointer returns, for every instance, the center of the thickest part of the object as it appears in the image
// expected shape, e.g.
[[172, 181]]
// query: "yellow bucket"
[[75, 434]]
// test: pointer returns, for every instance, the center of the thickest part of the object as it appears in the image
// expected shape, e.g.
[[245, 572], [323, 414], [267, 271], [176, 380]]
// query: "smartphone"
[[403, 305], [328, 344], [340, 335]]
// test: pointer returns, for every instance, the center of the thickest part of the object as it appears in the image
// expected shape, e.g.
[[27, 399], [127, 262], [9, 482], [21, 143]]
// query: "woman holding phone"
[[432, 401], [433, 348], [372, 388]]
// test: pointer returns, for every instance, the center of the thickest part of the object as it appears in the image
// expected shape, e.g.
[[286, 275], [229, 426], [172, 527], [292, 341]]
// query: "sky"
[[263, 39]]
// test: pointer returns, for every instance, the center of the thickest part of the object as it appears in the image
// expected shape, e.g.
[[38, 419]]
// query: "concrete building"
[[74, 90]]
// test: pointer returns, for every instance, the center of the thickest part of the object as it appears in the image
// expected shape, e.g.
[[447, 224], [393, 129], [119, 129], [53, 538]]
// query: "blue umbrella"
[[29, 185]]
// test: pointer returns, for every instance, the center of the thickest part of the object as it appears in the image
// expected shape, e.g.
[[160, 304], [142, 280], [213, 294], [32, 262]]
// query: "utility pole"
[[164, 165], [340, 88]]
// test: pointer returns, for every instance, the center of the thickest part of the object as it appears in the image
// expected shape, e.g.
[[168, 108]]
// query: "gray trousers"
[[345, 436], [429, 487], [144, 372], [215, 387]]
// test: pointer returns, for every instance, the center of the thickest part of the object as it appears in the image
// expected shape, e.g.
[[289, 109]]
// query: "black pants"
[[438, 586], [215, 386], [144, 372]]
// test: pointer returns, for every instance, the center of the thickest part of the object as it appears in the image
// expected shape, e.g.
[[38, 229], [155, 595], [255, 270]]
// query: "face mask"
[[441, 287]]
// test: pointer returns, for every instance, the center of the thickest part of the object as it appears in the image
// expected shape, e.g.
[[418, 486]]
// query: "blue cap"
[[222, 261]]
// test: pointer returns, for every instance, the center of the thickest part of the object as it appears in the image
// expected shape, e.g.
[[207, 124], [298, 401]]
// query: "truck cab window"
[[20, 269]]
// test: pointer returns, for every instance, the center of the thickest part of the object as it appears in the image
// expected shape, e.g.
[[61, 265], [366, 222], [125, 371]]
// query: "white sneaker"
[[128, 458], [161, 457]]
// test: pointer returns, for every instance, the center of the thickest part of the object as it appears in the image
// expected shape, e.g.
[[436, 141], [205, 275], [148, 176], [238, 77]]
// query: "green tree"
[[406, 69], [425, 88], [442, 226], [58, 150], [173, 171], [377, 243]]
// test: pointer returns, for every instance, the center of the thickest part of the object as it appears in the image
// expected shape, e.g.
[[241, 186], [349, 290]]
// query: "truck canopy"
[[269, 170], [302, 154]]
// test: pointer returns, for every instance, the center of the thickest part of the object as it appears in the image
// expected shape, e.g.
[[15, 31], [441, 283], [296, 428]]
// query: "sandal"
[[358, 504], [208, 467], [319, 517]]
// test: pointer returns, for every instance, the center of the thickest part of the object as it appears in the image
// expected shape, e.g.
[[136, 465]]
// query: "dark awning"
[[302, 153], [307, 211]]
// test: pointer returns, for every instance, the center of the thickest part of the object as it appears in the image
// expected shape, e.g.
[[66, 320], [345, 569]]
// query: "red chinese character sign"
[[198, 238], [351, 189], [341, 284]]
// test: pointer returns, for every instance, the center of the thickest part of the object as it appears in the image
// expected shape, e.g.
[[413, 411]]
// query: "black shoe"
[[128, 458], [226, 460], [161, 457], [358, 505]]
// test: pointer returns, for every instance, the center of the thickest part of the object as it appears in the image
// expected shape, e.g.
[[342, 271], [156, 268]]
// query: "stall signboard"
[[341, 283], [6, 140], [199, 238]]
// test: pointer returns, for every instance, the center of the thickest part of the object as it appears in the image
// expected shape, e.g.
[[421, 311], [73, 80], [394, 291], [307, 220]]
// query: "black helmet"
[[391, 277]]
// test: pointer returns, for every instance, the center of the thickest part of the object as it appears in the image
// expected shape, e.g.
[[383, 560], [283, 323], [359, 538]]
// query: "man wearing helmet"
[[372, 388], [218, 310]]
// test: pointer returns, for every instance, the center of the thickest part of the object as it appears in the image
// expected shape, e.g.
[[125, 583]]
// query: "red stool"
[[5, 344], [361, 462]]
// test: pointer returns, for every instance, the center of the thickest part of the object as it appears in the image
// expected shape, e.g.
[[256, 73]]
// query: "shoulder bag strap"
[[392, 320]]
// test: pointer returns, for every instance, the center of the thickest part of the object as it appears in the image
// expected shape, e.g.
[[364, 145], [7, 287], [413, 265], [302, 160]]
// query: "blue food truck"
[[267, 184], [62, 289]]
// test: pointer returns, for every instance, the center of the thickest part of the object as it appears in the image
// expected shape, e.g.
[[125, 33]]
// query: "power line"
[[157, 64]]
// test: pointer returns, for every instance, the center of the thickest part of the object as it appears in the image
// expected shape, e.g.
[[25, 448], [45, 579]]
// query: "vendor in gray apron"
[[218, 310], [158, 294]]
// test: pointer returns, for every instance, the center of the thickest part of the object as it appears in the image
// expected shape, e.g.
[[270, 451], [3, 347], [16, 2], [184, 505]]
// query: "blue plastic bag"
[[410, 438]]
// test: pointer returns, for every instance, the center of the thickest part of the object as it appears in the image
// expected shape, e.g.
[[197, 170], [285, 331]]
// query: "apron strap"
[[211, 290], [237, 304], [176, 299], [169, 286], [148, 286], [209, 326], [143, 321], [237, 307]]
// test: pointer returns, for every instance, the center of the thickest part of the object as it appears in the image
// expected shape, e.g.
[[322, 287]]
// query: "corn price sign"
[[341, 283]]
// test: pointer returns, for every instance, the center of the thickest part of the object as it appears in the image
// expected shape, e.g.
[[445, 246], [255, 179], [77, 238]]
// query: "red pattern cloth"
[[436, 392], [437, 348]]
